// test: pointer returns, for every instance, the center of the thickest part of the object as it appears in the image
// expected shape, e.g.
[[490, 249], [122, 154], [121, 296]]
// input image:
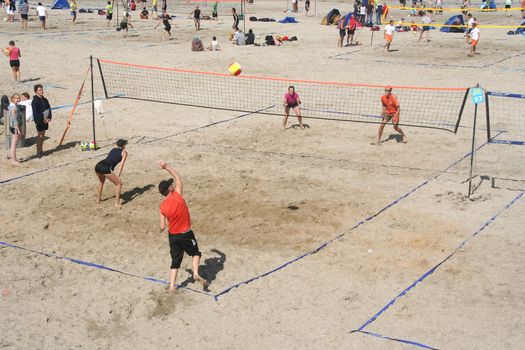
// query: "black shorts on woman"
[[292, 105]]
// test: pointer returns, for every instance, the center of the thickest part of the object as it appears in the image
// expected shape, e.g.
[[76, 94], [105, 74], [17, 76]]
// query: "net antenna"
[[424, 107]]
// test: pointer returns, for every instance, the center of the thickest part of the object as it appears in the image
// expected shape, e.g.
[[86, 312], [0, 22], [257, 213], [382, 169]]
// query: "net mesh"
[[438, 108], [506, 117]]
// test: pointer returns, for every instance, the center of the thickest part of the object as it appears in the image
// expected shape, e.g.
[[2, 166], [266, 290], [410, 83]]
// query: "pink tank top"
[[291, 99], [14, 54]]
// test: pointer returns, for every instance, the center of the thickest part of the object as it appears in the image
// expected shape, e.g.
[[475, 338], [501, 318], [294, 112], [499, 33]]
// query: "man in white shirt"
[[426, 26], [42, 13], [239, 38], [389, 34], [474, 36]]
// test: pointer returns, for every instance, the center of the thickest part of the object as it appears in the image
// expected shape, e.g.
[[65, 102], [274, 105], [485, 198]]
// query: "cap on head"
[[121, 142], [164, 187], [388, 87]]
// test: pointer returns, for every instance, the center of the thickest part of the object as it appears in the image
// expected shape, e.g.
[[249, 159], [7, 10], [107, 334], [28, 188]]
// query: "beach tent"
[[454, 20], [331, 17], [60, 4], [492, 4], [288, 20], [521, 30]]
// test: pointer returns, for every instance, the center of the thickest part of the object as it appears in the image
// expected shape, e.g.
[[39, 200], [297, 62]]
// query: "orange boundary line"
[[276, 79]]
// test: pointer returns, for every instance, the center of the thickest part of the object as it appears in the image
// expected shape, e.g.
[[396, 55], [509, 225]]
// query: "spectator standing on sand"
[[73, 8], [24, 14], [307, 7], [25, 100], [42, 14], [427, 20], [42, 116], [215, 11], [389, 34], [235, 18], [14, 127], [180, 235], [196, 17], [109, 12]]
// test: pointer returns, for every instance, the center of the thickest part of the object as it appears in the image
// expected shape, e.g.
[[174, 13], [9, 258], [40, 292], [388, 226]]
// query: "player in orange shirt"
[[181, 237], [391, 111]]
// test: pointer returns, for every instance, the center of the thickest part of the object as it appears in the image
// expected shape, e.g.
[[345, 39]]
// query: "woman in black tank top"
[[104, 169]]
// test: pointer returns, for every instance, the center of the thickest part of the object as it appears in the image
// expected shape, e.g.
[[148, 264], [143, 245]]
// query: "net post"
[[472, 148], [103, 81], [487, 113], [461, 110], [92, 101]]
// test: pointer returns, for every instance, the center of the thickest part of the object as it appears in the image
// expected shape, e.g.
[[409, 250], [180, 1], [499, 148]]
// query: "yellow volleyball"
[[234, 69]]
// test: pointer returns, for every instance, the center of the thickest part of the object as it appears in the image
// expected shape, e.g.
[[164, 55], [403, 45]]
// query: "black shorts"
[[167, 29], [24, 16], [12, 130], [14, 63], [214, 14], [293, 105], [109, 16], [180, 243], [507, 6], [426, 28], [351, 31], [123, 26], [342, 33], [41, 126], [103, 167]]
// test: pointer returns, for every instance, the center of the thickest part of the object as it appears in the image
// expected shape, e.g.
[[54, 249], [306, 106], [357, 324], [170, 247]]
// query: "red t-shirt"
[[390, 103], [174, 209]]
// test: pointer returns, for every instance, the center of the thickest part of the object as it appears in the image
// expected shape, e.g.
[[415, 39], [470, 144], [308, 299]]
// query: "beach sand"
[[260, 197]]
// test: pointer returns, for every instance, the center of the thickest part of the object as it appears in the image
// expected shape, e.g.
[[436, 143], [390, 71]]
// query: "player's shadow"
[[32, 141], [128, 196], [297, 126], [396, 137], [209, 271]]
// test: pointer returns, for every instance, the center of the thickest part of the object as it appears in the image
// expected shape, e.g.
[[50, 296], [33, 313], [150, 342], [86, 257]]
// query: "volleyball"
[[7, 50], [234, 69], [83, 146], [92, 146]]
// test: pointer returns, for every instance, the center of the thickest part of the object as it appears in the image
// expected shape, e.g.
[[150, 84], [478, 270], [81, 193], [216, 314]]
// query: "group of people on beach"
[[21, 109], [23, 11]]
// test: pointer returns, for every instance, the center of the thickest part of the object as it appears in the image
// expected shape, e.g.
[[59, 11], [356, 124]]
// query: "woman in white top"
[[214, 45]]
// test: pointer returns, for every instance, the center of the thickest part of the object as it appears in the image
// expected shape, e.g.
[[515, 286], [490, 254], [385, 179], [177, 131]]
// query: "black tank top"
[[114, 157]]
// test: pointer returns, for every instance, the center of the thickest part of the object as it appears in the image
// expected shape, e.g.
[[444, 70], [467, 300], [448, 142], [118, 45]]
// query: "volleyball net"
[[505, 117], [426, 107]]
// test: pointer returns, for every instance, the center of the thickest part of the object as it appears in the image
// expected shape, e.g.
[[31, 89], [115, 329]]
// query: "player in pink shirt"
[[291, 101], [14, 55]]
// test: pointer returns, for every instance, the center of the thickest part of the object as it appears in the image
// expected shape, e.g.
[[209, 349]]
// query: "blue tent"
[[454, 20], [492, 4], [60, 4], [347, 18], [284, 20], [521, 30]]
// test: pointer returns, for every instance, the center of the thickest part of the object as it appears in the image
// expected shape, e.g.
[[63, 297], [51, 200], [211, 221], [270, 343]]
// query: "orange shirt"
[[174, 209], [390, 103]]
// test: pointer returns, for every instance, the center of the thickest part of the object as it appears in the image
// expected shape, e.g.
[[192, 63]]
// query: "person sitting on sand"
[[239, 38], [196, 44], [104, 169], [144, 14], [214, 45], [250, 37]]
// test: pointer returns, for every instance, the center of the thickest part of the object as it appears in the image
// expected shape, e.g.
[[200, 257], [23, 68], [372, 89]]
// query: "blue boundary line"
[[409, 342], [98, 266], [433, 269], [369, 218]]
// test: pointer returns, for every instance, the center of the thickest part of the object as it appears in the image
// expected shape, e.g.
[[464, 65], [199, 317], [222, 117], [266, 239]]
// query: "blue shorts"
[[42, 18]]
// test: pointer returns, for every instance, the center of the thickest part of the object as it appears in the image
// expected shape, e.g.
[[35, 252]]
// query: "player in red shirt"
[[391, 111], [181, 237], [292, 101]]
